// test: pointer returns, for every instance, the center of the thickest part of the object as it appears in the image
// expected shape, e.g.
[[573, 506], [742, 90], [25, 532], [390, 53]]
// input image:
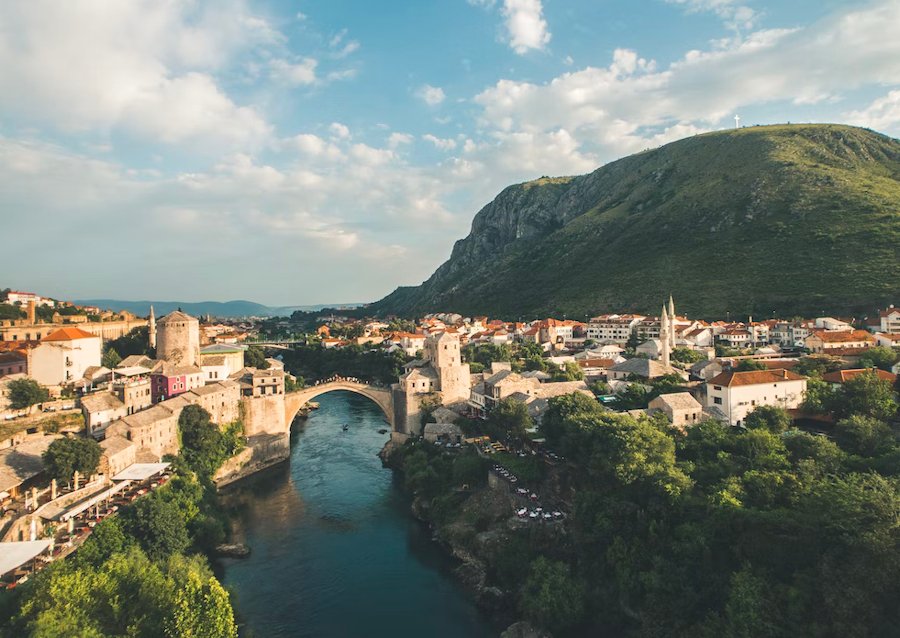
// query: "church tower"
[[664, 334], [152, 329]]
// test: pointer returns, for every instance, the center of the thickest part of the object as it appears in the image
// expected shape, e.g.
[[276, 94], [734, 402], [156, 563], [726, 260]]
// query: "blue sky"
[[298, 152]]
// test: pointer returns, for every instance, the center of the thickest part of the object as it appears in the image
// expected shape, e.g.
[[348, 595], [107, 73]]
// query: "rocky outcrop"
[[524, 629], [232, 550], [738, 206]]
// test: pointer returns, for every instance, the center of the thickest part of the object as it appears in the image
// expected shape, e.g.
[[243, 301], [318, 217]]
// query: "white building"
[[612, 328], [890, 320], [736, 394], [63, 356]]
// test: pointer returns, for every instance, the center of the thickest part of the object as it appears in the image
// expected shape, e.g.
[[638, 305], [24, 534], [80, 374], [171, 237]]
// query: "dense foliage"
[[205, 445], [371, 365], [758, 531], [132, 576], [254, 357], [795, 217], [65, 456], [135, 342], [23, 393]]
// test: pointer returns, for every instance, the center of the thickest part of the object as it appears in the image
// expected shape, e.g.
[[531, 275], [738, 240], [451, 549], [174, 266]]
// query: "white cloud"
[[525, 25], [295, 74], [399, 139], [145, 67], [883, 114], [339, 131], [431, 95], [443, 144], [735, 15]]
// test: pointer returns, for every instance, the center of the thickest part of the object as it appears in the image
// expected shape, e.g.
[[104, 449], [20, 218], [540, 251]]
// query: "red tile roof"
[[68, 334], [754, 377], [842, 376], [843, 336]]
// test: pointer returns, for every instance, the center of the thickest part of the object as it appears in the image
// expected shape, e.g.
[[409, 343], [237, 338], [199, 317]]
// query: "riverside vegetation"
[[144, 572], [796, 217], [721, 531]]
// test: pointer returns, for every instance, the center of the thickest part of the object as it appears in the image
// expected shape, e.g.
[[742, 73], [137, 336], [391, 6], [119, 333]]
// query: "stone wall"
[[264, 415], [262, 451]]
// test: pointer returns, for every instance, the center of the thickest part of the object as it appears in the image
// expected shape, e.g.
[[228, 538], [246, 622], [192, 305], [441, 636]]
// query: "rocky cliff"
[[787, 219]]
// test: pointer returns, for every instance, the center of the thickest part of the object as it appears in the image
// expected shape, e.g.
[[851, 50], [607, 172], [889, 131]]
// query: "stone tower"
[[671, 321], [178, 339], [152, 328], [453, 375], [664, 334]]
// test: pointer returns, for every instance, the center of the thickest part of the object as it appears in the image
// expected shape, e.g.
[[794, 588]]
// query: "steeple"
[[664, 334], [152, 328], [671, 321]]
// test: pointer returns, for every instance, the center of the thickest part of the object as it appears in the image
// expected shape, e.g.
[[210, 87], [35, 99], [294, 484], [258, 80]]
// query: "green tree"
[[686, 355], [254, 357], [511, 417], [867, 395], [10, 311], [820, 396], [158, 525], [551, 597], [817, 365], [203, 444], [878, 357], [748, 365], [136, 342], [111, 358], [769, 417], [201, 607], [570, 372], [863, 435], [24, 393], [63, 457]]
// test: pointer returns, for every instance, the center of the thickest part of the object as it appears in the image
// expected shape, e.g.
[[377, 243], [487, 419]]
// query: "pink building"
[[167, 381]]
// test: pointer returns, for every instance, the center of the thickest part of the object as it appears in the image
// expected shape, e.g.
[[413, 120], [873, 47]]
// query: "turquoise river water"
[[335, 550]]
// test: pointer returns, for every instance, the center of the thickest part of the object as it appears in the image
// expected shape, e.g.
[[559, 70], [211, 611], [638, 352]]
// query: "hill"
[[793, 219], [223, 309]]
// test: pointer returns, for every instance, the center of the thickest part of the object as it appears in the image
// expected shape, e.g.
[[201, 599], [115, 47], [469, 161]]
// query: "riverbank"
[[471, 516]]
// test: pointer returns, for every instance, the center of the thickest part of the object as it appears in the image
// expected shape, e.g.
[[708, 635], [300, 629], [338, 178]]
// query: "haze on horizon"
[[295, 153]]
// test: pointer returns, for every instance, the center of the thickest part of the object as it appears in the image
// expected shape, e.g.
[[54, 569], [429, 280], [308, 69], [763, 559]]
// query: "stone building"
[[178, 339], [682, 409], [441, 375]]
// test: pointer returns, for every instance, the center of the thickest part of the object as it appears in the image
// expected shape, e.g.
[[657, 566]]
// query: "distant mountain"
[[794, 219], [226, 309]]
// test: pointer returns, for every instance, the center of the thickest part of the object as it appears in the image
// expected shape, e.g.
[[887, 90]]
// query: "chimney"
[[31, 312]]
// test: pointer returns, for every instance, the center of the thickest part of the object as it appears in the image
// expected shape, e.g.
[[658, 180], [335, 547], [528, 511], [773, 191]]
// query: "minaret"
[[664, 337], [671, 321], [152, 328]]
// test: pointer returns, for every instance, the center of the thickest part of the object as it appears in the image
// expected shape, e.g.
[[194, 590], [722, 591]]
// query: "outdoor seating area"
[[76, 523], [528, 506]]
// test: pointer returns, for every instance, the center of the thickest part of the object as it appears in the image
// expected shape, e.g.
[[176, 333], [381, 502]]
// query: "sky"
[[298, 152]]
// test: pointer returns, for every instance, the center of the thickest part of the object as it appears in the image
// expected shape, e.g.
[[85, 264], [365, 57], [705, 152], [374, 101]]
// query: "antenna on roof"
[[737, 121]]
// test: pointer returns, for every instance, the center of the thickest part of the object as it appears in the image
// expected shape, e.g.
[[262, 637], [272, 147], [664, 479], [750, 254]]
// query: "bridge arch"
[[294, 401]]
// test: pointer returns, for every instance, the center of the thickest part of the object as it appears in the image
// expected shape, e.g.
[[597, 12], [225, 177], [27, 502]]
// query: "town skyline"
[[205, 138]]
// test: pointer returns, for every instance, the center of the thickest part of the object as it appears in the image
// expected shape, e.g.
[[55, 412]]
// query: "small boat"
[[346, 427]]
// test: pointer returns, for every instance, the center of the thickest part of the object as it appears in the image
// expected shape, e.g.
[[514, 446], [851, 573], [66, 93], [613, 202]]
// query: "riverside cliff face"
[[794, 217]]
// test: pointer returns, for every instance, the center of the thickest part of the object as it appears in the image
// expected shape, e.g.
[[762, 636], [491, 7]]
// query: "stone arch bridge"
[[293, 401]]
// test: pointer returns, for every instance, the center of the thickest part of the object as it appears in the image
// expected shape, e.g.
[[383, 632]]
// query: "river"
[[335, 550]]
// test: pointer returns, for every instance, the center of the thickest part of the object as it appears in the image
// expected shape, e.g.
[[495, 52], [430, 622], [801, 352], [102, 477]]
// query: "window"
[[717, 400]]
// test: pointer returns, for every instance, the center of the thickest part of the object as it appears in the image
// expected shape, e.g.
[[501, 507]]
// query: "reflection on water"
[[335, 550]]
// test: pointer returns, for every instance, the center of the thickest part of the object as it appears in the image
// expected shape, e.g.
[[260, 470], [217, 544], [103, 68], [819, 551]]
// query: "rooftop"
[[754, 377], [69, 333]]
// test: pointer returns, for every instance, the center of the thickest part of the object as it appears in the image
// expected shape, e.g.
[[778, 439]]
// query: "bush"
[[24, 393]]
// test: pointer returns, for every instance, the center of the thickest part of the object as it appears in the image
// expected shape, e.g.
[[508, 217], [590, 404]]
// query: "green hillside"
[[794, 219]]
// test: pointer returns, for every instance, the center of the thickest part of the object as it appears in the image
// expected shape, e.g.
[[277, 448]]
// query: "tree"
[[571, 372], [819, 397], [868, 395], [686, 355], [24, 393], [110, 359], [863, 435], [748, 365], [254, 357], [10, 311], [817, 365], [512, 417], [135, 342], [66, 456], [201, 607], [633, 397], [551, 597], [878, 357], [158, 525], [768, 417], [203, 445]]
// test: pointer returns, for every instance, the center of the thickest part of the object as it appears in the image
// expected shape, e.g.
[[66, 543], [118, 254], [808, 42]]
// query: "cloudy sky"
[[313, 151]]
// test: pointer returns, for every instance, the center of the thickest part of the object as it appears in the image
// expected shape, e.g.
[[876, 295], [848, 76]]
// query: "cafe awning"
[[140, 471], [14, 555]]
